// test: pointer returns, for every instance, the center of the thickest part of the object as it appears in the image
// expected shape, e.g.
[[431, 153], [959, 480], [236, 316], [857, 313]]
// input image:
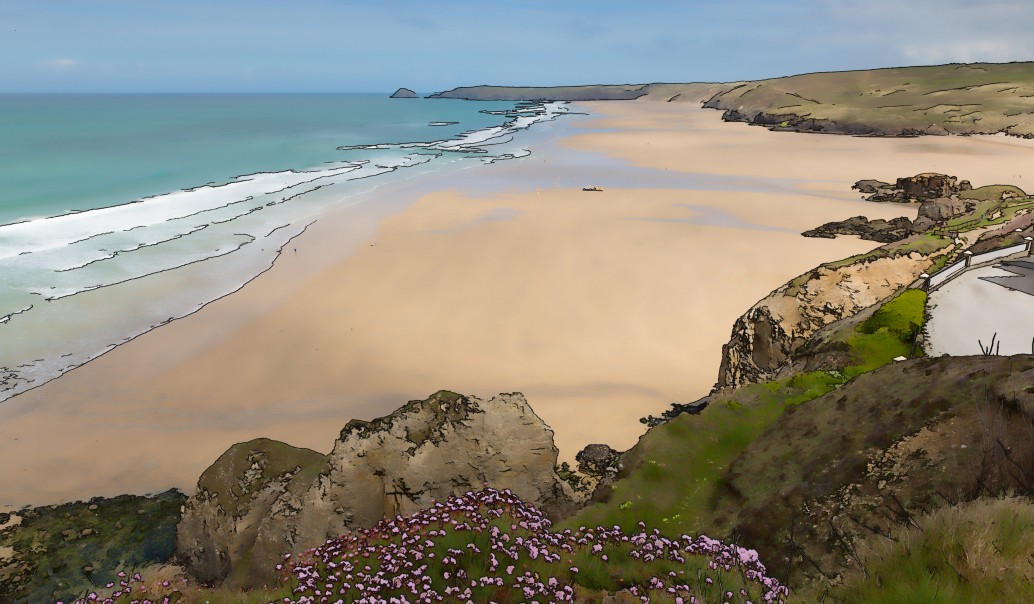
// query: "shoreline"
[[502, 279]]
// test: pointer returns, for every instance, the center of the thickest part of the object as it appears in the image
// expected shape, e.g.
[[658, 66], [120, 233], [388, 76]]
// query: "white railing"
[[1005, 251], [940, 277], [947, 273]]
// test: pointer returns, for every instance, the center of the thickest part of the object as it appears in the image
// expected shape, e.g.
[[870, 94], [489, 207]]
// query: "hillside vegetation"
[[978, 98]]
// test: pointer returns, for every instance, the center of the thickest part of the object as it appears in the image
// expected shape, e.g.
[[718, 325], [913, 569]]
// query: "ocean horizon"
[[120, 212]]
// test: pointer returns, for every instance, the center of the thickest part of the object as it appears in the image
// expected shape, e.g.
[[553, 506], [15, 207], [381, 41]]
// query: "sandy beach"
[[600, 307]]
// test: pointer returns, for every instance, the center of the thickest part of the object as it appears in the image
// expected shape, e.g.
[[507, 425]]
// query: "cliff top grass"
[[973, 98], [677, 472], [974, 552]]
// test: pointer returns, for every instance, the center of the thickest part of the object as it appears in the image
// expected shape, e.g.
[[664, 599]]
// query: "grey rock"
[[598, 460], [404, 93], [942, 209]]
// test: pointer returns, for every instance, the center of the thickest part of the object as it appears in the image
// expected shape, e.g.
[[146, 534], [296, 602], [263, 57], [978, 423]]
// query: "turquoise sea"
[[119, 212]]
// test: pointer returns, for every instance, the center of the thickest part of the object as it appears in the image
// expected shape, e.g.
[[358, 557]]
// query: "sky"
[[110, 46]]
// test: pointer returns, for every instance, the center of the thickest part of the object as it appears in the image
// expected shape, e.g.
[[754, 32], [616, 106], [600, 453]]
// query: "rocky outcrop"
[[598, 460], [941, 210], [870, 186], [404, 93], [262, 499], [928, 185], [676, 410], [912, 189], [880, 230], [768, 335]]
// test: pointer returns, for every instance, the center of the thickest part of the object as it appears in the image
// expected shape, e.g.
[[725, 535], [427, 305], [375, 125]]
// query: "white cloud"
[[60, 64], [972, 51]]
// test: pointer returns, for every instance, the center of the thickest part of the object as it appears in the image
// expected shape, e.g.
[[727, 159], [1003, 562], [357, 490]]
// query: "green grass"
[[678, 469], [992, 193], [680, 466], [978, 552], [888, 333]]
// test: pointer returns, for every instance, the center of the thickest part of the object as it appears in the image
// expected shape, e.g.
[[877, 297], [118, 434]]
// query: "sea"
[[120, 213]]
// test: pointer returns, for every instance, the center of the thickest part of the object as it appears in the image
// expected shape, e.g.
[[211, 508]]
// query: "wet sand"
[[600, 307]]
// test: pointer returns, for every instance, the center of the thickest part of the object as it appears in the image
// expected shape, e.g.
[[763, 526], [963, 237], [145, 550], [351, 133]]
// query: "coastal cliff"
[[766, 337], [773, 333], [979, 98], [694, 92], [262, 499]]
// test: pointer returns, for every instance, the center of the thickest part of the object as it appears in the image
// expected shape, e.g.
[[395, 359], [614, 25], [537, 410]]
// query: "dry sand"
[[600, 307]]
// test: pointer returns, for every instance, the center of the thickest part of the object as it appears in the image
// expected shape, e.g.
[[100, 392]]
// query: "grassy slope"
[[676, 473], [957, 99], [974, 552]]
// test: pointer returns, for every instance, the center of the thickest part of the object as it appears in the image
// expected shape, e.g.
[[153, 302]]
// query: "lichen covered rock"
[[263, 499]]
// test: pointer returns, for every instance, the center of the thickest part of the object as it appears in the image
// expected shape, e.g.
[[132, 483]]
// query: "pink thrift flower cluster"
[[123, 592], [490, 546]]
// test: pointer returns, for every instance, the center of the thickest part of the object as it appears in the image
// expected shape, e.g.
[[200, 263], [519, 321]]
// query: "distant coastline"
[[978, 98]]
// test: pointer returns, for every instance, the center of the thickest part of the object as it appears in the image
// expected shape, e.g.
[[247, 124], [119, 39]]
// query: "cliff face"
[[262, 499], [765, 338]]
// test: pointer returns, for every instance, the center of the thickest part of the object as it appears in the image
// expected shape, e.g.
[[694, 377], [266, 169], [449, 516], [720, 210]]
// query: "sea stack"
[[404, 93]]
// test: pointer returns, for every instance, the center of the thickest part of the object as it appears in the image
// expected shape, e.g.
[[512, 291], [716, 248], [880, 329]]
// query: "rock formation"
[[911, 189], [262, 499], [404, 93], [766, 337], [928, 185], [880, 230]]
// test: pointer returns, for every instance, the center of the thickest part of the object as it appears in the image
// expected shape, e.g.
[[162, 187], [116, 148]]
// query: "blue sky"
[[427, 45]]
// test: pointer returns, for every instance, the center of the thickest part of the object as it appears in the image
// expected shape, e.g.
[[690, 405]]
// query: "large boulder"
[[928, 185], [943, 209], [262, 499]]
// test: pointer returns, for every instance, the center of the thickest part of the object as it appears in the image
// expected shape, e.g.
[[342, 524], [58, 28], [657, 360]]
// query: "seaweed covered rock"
[[263, 499], [884, 231]]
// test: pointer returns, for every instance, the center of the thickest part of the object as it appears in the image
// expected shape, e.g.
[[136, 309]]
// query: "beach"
[[601, 307]]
